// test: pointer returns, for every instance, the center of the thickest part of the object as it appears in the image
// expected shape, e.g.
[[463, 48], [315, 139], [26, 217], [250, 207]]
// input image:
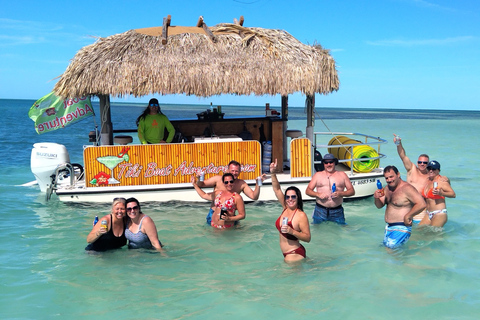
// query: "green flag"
[[51, 112]]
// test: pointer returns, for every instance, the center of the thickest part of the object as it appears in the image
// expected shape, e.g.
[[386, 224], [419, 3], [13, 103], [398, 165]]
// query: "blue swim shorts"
[[396, 234], [322, 214], [209, 216]]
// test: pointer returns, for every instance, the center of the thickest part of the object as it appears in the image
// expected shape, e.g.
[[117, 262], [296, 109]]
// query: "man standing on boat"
[[239, 185], [403, 203], [329, 187], [417, 175]]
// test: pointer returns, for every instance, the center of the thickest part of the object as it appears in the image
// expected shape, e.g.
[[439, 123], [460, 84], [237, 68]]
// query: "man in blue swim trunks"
[[403, 203], [329, 199]]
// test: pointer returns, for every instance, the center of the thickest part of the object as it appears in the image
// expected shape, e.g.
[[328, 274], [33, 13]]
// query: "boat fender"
[[318, 157]]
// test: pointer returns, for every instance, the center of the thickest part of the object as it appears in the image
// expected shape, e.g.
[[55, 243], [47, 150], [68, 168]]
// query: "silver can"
[[435, 184], [202, 177], [284, 221], [259, 181]]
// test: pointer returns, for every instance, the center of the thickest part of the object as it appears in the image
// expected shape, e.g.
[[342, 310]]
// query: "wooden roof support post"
[[106, 127], [310, 103], [166, 24], [284, 120], [202, 24], [238, 22]]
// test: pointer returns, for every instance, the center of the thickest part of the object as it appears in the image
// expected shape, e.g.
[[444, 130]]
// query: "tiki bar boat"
[[203, 61]]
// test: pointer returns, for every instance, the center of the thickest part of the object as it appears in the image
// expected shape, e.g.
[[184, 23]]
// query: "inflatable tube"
[[360, 151]]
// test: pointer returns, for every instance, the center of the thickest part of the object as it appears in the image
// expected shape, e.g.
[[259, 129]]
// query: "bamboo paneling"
[[300, 158], [168, 163]]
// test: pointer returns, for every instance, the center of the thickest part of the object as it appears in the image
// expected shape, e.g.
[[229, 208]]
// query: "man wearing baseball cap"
[[329, 187]]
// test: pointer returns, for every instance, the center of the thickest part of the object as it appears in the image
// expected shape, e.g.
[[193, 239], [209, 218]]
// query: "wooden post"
[[166, 24], [203, 25], [106, 131], [284, 122], [310, 102]]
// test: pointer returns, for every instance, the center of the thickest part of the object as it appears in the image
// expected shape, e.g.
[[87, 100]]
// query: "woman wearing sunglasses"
[[109, 232], [437, 189], [141, 231], [293, 222], [152, 124], [226, 203]]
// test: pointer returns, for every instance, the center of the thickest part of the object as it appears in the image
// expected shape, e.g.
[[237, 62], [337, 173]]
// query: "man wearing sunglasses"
[[417, 175], [329, 197], [152, 124], [239, 185]]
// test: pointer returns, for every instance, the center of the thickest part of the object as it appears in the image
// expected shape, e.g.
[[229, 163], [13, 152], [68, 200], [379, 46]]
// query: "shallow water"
[[240, 273]]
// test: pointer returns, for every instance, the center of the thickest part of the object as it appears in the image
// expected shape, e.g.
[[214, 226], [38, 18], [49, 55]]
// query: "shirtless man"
[[328, 201], [239, 185], [403, 203], [417, 175]]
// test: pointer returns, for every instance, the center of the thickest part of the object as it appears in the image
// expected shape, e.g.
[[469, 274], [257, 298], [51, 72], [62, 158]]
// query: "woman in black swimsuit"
[[112, 236], [297, 227]]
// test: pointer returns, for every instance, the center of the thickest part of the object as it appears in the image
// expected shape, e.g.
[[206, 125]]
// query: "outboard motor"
[[45, 159], [318, 157]]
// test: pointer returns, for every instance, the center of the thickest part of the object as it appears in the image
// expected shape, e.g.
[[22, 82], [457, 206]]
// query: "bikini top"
[[430, 195], [278, 224], [229, 203]]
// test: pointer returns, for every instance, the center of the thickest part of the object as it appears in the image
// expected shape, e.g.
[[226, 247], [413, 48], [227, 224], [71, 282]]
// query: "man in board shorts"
[[403, 203]]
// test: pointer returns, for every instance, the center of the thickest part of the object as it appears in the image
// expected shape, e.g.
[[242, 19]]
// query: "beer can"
[[435, 184], [104, 224], [284, 221], [259, 181], [202, 177]]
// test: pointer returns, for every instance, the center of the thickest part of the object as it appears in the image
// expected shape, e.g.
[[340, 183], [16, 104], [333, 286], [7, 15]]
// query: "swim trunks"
[[225, 226], [209, 216], [300, 250], [432, 214], [322, 214], [396, 234]]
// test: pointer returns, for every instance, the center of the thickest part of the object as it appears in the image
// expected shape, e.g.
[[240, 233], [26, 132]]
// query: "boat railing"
[[368, 140]]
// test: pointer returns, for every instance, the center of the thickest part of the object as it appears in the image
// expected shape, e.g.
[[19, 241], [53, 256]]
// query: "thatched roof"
[[238, 60]]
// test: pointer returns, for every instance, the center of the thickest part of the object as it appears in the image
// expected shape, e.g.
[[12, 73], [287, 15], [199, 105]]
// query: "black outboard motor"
[[318, 157]]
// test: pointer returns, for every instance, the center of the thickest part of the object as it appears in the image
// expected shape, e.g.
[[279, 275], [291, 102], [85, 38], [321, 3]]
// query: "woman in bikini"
[[435, 192], [226, 203], [141, 231], [296, 227]]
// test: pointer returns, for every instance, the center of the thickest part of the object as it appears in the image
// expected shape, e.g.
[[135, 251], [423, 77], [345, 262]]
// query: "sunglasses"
[[117, 199], [132, 208], [291, 197], [430, 168], [328, 162], [422, 162], [228, 181], [154, 105]]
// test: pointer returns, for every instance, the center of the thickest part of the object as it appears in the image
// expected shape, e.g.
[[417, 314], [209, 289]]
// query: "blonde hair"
[[117, 201]]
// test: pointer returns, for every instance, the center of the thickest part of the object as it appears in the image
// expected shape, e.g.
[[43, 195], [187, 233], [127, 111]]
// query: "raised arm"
[[276, 185], [407, 163], [207, 196]]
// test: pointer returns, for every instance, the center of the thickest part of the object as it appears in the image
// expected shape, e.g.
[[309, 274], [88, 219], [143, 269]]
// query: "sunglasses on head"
[[153, 104], [228, 181], [328, 162], [422, 162], [132, 208], [117, 199], [291, 197]]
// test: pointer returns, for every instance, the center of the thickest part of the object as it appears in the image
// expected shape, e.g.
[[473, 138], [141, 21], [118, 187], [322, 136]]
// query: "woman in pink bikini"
[[226, 203], [293, 222], [434, 193]]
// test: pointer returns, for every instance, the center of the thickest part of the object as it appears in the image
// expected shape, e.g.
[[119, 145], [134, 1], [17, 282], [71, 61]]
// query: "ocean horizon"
[[348, 274]]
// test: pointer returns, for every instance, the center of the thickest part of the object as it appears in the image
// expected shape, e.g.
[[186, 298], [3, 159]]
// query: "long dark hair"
[[133, 200], [299, 197], [147, 110]]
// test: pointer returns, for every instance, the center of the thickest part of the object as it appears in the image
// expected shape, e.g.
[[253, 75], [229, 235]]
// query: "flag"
[[51, 112]]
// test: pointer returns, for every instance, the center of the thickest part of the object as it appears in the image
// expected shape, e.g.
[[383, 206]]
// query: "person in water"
[[152, 124], [109, 232], [417, 175], [329, 200], [239, 185], [227, 202], [141, 231], [435, 191], [296, 227], [403, 202]]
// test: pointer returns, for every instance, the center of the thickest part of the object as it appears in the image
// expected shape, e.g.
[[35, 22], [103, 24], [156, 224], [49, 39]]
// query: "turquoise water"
[[241, 274]]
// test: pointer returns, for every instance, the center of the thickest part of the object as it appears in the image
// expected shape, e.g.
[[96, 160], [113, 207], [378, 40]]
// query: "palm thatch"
[[240, 61]]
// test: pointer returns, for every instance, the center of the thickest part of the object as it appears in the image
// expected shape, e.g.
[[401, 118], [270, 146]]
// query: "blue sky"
[[399, 54]]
